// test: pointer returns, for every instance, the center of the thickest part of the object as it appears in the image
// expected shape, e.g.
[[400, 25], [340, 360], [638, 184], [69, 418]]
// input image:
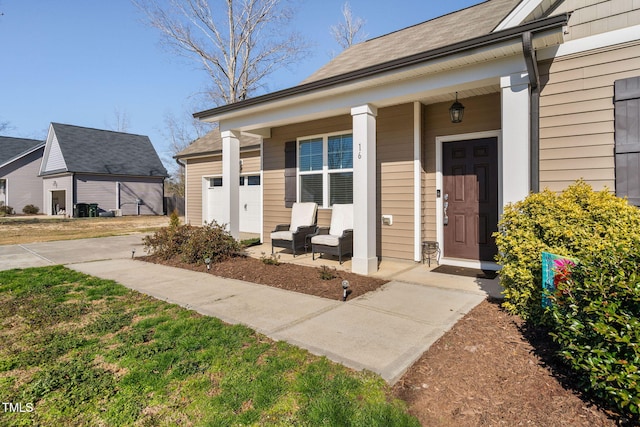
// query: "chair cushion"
[[341, 219], [325, 239], [282, 235], [303, 214]]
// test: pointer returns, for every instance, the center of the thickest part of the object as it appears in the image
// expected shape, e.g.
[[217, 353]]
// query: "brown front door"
[[470, 180]]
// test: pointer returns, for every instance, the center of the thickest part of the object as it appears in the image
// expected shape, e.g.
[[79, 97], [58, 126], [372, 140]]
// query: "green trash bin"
[[80, 210], [93, 210]]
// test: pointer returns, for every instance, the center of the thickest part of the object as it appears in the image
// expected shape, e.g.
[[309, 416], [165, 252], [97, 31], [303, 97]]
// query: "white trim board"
[[597, 41]]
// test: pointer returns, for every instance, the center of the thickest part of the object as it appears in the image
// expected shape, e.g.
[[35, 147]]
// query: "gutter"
[[474, 43], [534, 108]]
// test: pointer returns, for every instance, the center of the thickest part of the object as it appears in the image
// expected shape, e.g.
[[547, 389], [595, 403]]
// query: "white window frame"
[[325, 171]]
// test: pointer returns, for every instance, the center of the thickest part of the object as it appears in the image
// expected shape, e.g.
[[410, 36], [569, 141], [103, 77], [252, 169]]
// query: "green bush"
[[192, 244], [5, 210], [30, 210], [577, 223], [596, 321]]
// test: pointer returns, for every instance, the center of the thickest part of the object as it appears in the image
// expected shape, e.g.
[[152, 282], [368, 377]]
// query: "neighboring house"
[[19, 164], [204, 184], [550, 90], [120, 172]]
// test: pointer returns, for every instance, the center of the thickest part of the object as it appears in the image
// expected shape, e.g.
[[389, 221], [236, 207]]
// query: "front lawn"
[[76, 350]]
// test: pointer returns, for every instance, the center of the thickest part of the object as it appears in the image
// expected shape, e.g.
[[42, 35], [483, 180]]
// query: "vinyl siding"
[[590, 17], [395, 181], [577, 115], [103, 191], [24, 187], [482, 113], [54, 158]]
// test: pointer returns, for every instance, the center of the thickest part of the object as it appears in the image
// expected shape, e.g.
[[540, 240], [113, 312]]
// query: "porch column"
[[231, 181], [365, 260], [515, 137]]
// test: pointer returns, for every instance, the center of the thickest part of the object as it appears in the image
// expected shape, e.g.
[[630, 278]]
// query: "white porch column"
[[515, 137], [365, 260], [231, 181]]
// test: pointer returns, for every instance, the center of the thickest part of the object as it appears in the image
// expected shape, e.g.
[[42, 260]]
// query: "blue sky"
[[81, 61]]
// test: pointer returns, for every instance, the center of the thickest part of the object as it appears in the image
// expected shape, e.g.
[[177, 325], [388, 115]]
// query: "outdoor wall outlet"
[[387, 219]]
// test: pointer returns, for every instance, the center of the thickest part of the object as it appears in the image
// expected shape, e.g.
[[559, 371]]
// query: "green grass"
[[86, 351]]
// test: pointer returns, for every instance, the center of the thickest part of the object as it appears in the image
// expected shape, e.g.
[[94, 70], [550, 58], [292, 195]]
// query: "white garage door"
[[249, 202]]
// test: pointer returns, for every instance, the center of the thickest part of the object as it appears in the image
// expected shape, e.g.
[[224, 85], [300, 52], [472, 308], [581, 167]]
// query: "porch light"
[[456, 111]]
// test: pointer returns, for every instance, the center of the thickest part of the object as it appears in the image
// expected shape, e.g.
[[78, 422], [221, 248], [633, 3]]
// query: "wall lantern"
[[456, 111]]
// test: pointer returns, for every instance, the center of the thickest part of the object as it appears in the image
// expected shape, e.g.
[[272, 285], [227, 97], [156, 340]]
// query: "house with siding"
[[202, 161], [550, 92], [19, 164], [120, 172]]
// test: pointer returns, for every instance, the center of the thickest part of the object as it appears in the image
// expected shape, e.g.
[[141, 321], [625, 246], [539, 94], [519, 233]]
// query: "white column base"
[[364, 265]]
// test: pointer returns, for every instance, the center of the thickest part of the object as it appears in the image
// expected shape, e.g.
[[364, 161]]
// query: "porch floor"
[[391, 269]]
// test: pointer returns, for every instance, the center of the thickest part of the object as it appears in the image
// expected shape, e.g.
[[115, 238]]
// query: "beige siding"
[[395, 180], [590, 17], [250, 162], [482, 113], [577, 115]]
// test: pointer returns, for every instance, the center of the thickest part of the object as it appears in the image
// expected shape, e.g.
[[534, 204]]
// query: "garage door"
[[249, 196]]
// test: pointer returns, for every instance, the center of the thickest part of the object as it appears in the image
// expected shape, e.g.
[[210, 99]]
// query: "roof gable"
[[439, 32], [14, 148], [86, 150], [211, 143]]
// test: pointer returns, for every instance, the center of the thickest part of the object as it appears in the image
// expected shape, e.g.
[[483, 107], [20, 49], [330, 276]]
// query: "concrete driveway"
[[69, 251]]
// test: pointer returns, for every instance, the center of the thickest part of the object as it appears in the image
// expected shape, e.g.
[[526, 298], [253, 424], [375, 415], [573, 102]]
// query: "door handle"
[[445, 217]]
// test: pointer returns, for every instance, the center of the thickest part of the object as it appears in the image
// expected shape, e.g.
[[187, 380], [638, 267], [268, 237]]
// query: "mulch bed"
[[292, 277], [488, 370]]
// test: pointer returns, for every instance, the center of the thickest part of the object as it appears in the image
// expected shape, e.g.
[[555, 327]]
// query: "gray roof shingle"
[[99, 151], [445, 30], [211, 143], [12, 148]]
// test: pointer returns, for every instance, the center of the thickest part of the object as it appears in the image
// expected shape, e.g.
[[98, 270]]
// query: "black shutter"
[[627, 128], [290, 166]]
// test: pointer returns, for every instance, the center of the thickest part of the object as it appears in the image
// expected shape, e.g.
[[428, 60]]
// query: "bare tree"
[[349, 32], [237, 42], [121, 122], [4, 126], [180, 133]]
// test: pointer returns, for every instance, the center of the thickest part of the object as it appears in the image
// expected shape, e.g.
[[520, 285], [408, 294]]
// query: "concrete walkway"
[[384, 331]]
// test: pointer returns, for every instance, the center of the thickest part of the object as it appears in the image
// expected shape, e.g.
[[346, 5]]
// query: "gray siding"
[[24, 187], [103, 191]]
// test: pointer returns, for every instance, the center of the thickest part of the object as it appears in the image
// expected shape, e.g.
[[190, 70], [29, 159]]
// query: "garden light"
[[208, 262], [133, 252], [345, 286]]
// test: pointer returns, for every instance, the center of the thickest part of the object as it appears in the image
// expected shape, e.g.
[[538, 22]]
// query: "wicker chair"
[[338, 239], [293, 236]]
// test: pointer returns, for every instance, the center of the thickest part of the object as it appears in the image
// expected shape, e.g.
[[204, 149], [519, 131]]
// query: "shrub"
[[272, 259], [174, 219], [327, 274], [192, 244], [576, 223], [5, 209], [596, 321], [30, 210], [209, 241]]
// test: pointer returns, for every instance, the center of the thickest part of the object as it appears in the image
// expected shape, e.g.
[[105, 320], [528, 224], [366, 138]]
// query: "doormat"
[[466, 272]]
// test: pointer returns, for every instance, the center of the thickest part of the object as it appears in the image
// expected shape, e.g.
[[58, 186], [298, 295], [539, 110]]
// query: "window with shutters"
[[325, 169], [627, 138]]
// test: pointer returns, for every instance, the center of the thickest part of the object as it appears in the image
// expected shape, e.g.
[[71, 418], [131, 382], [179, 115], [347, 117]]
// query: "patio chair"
[[337, 239], [293, 236]]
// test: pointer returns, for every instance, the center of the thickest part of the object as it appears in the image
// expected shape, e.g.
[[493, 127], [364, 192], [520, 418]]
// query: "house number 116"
[[359, 151]]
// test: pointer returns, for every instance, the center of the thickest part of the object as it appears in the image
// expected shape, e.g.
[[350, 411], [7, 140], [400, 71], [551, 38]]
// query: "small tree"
[[350, 31]]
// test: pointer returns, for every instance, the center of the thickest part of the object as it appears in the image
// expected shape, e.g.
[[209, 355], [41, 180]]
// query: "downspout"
[[534, 108]]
